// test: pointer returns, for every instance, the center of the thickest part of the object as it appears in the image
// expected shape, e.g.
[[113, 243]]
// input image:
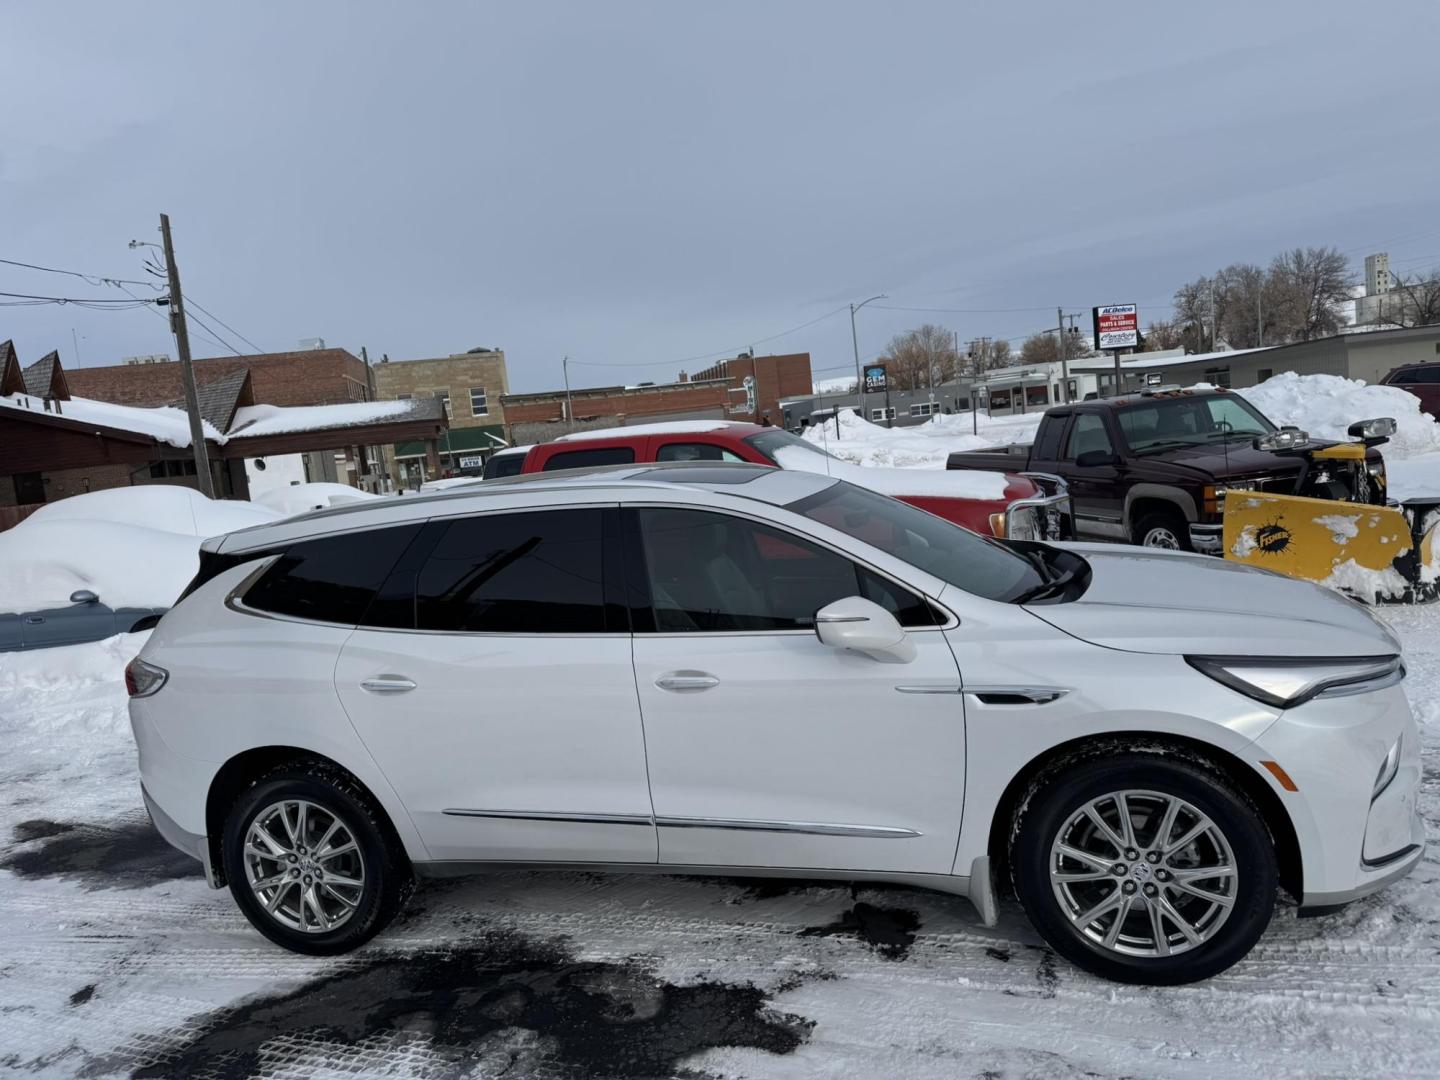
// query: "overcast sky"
[[641, 184]]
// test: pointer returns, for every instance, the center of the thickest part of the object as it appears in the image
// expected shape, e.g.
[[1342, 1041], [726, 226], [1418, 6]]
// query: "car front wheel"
[[1144, 869], [311, 862]]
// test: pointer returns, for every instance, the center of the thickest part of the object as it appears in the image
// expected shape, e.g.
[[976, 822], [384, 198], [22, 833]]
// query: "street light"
[[855, 343]]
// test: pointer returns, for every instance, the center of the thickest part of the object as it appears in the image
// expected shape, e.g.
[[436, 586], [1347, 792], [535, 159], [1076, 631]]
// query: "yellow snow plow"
[[1339, 529]]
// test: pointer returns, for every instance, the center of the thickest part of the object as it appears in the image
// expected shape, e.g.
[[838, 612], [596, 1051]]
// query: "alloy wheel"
[[304, 865], [1161, 536], [1143, 873]]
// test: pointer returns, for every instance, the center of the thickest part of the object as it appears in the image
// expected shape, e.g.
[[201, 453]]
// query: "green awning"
[[456, 440]]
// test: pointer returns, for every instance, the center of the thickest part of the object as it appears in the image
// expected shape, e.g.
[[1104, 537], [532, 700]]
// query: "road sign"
[[875, 379], [1117, 326]]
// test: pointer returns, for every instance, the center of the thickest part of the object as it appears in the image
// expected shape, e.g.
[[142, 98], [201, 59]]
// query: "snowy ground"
[[117, 960]]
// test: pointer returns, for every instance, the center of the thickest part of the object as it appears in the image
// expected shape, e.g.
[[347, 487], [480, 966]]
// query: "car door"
[[1095, 489], [767, 748], [493, 684]]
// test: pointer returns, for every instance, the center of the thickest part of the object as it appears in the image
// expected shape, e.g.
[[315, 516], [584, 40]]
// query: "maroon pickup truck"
[[1153, 468]]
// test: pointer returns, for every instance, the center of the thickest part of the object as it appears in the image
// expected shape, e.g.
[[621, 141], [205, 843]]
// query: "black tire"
[[1156, 524], [1058, 799], [384, 869]]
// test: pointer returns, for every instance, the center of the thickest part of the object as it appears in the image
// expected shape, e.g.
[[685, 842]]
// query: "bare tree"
[[1161, 335], [921, 357], [1308, 285], [1417, 300], [1041, 348], [1001, 354]]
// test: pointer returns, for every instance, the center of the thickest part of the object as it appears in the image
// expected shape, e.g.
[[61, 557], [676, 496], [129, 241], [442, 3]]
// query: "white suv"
[[700, 669]]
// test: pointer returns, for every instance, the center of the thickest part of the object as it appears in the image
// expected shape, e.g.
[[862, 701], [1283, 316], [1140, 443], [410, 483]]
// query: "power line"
[[965, 311], [211, 332], [93, 279], [75, 299], [196, 304]]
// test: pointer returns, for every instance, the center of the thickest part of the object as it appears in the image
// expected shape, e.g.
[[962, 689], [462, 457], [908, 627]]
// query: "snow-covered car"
[[85, 618], [715, 667]]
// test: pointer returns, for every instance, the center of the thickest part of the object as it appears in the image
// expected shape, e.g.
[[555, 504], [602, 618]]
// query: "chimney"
[[684, 377]]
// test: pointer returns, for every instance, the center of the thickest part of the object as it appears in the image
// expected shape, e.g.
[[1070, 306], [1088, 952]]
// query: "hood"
[[1242, 459], [1144, 600]]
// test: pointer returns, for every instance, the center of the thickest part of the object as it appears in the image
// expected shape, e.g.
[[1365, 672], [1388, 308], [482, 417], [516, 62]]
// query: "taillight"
[[142, 679]]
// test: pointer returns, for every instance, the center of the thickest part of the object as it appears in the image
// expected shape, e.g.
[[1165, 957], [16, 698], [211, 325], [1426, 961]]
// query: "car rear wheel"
[[1144, 869], [1162, 529], [311, 860]]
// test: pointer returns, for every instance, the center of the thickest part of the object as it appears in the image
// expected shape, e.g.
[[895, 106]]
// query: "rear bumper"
[[196, 846]]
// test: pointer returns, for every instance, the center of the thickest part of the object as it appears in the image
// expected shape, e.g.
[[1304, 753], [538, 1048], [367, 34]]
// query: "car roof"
[[738, 428], [620, 482], [1121, 401]]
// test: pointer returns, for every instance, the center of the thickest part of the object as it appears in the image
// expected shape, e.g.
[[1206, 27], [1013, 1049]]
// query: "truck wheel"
[[1163, 529], [1144, 869]]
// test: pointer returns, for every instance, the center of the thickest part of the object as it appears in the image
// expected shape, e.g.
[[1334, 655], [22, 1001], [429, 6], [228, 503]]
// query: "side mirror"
[[1092, 459], [1380, 428], [84, 596], [862, 625]]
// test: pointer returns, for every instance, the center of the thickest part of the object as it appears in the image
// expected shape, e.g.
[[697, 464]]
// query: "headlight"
[[1285, 682], [1388, 768], [1023, 523]]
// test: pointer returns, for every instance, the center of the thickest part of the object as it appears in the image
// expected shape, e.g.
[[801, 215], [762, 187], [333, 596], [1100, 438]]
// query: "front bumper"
[[1353, 842], [1207, 539]]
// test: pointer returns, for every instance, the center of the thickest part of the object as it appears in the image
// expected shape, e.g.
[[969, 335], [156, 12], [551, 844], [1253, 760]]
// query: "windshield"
[[955, 555], [1182, 421], [767, 442]]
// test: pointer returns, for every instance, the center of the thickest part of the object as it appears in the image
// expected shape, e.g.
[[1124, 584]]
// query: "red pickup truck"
[[1020, 506]]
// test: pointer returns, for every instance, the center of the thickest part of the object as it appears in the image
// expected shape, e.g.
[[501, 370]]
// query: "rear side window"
[[1047, 447], [332, 579], [504, 465], [528, 573], [589, 459], [1401, 378], [694, 452]]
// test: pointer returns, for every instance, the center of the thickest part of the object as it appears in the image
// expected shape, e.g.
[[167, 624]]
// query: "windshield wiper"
[[1045, 588]]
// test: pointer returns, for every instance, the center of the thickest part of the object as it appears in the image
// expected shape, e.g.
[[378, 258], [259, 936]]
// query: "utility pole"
[[1064, 356], [187, 369], [569, 405], [1259, 320], [855, 344], [1214, 330]]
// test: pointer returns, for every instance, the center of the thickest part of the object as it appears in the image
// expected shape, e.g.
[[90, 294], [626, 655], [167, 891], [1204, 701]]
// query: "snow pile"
[[133, 547], [279, 419], [1325, 405], [76, 691], [302, 498], [671, 427], [922, 446]]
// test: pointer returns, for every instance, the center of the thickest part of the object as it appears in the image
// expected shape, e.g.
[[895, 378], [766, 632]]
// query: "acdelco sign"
[[1117, 326]]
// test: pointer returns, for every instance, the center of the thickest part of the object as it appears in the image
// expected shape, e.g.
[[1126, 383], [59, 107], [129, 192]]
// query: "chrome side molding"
[[812, 828]]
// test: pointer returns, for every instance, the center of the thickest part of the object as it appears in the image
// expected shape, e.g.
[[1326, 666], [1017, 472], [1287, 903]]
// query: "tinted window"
[[694, 452], [970, 562], [530, 573], [1429, 375], [332, 579], [1088, 433], [1047, 447], [1181, 420], [589, 459], [713, 572], [504, 465]]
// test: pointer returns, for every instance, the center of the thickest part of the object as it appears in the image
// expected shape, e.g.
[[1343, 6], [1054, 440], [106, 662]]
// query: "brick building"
[[303, 377], [717, 393], [470, 385]]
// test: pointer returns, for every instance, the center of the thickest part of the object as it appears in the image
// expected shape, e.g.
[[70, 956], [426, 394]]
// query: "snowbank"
[[1325, 405], [923, 446], [302, 498], [66, 697], [133, 547]]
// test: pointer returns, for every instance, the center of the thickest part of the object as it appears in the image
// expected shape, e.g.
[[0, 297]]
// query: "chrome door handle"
[[388, 684], [687, 680]]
